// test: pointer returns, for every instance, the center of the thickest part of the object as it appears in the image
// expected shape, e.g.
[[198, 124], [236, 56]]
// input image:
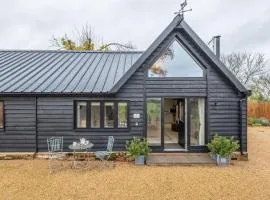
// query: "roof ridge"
[[68, 51]]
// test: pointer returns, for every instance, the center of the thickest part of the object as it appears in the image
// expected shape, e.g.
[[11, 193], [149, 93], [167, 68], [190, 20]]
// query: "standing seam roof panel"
[[51, 76], [79, 85], [62, 71], [17, 71], [17, 81], [4, 57], [108, 83], [98, 87], [96, 74], [42, 79], [59, 77], [72, 84], [120, 68], [12, 65], [35, 77], [93, 67], [69, 74]]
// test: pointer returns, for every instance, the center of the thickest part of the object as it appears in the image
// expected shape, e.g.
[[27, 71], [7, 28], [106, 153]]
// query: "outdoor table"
[[79, 148]]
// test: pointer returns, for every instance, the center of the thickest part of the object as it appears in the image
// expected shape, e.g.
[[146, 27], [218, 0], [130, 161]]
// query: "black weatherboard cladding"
[[39, 89]]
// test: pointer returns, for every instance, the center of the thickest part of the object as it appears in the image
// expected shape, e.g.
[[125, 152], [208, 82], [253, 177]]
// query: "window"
[[95, 115], [81, 115], [122, 115], [1, 114], [175, 62], [101, 114], [108, 114]]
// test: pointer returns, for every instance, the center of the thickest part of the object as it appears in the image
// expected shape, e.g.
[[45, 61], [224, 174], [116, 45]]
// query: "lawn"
[[29, 179]]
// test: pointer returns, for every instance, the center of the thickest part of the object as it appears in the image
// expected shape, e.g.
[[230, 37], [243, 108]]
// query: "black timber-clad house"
[[177, 94]]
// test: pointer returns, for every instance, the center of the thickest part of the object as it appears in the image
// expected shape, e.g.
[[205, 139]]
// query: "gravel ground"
[[29, 179]]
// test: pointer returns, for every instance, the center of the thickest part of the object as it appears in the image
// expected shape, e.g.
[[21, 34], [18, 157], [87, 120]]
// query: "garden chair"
[[104, 156], [55, 150]]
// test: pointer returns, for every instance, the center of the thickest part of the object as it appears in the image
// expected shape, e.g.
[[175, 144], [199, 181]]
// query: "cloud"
[[30, 24]]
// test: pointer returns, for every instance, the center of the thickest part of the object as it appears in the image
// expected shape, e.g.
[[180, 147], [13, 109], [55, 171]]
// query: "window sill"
[[101, 129]]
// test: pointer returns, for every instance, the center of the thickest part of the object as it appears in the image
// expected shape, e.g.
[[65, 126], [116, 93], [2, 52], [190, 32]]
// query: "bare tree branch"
[[245, 66], [85, 39]]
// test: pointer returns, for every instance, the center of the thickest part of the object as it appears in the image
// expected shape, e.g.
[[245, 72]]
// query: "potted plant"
[[139, 149], [223, 148], [214, 146]]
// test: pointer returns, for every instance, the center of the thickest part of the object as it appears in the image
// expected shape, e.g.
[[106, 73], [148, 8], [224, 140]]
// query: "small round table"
[[78, 148]]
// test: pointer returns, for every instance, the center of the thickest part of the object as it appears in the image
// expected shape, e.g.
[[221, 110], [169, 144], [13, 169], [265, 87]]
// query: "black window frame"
[[3, 128], [176, 38], [102, 115]]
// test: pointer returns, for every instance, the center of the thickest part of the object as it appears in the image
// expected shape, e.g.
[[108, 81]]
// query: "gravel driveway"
[[22, 179]]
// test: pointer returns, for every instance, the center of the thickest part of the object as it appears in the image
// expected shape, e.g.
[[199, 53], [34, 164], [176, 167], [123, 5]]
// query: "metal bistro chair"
[[55, 150], [104, 156]]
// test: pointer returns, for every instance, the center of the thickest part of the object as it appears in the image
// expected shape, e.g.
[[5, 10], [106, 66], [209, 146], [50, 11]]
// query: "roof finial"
[[182, 10]]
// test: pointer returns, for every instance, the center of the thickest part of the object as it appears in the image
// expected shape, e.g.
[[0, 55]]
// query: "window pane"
[[154, 121], [95, 114], [1, 115], [81, 115], [122, 115], [109, 115], [197, 125], [175, 62]]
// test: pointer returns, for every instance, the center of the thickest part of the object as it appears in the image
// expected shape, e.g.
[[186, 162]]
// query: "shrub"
[[258, 122], [138, 147], [223, 146]]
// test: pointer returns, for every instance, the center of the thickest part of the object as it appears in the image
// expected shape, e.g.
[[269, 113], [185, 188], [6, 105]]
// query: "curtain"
[[202, 124]]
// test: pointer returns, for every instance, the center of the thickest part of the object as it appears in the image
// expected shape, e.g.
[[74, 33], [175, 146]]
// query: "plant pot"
[[213, 156], [223, 161], [139, 160]]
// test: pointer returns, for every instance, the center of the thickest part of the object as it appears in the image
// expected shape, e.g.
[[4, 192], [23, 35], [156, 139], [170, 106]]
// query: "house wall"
[[224, 109], [223, 113], [56, 117], [20, 125]]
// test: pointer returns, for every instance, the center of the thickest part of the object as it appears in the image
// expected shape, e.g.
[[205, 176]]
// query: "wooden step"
[[163, 159]]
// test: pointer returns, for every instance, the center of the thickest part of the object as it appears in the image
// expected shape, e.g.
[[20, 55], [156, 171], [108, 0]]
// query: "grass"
[[29, 179]]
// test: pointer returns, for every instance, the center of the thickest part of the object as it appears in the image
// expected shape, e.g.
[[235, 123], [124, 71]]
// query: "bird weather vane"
[[182, 10]]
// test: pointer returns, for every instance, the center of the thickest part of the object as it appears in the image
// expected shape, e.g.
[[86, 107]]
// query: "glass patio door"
[[197, 121], [154, 121]]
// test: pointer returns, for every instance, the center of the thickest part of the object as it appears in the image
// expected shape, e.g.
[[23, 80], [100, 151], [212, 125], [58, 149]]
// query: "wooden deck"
[[179, 159]]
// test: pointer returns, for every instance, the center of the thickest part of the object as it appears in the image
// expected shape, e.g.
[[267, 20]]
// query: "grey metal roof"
[[31, 71]]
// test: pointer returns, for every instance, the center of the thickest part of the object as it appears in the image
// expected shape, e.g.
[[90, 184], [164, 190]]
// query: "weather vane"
[[182, 10]]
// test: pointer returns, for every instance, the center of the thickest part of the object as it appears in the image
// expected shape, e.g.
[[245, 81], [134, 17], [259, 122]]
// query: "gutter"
[[243, 99]]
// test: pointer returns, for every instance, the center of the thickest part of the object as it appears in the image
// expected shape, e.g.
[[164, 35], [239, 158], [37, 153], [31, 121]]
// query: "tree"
[[245, 66], [261, 88], [85, 40], [251, 71]]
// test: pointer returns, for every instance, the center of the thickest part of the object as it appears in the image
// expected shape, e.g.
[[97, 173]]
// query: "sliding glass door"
[[154, 121], [176, 123], [197, 121]]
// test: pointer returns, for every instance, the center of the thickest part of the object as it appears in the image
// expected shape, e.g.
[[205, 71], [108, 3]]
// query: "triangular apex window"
[[175, 62]]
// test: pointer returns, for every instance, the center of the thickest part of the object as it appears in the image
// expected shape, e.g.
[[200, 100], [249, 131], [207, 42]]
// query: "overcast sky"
[[30, 24]]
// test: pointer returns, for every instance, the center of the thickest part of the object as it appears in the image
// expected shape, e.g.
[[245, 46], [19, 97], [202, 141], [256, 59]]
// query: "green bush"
[[138, 147], [258, 122], [222, 146]]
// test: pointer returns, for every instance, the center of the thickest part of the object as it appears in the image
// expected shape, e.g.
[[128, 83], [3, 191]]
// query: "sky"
[[30, 24]]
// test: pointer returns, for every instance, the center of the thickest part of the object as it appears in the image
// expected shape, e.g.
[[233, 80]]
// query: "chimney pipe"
[[217, 45]]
